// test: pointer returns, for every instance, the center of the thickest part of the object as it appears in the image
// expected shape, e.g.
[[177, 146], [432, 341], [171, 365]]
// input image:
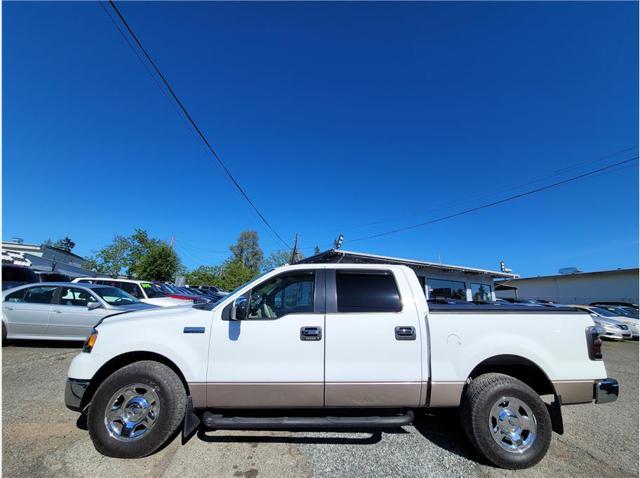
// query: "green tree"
[[233, 274], [247, 251], [203, 275], [65, 244], [276, 259], [140, 245], [112, 259], [159, 263]]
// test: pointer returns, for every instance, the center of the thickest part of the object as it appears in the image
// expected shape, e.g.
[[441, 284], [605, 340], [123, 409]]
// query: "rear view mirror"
[[240, 309], [94, 305]]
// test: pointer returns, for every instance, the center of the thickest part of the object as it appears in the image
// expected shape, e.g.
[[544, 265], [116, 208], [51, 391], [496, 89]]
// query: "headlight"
[[90, 342]]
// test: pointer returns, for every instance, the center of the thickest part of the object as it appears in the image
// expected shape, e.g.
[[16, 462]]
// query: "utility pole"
[[171, 242], [295, 257]]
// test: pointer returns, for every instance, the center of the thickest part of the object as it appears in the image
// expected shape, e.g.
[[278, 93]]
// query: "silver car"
[[61, 310]]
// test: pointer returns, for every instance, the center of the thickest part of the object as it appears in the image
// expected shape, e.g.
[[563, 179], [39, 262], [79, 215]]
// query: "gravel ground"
[[41, 437]]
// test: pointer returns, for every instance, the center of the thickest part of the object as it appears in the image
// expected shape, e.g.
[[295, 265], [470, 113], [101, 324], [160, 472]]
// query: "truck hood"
[[178, 312]]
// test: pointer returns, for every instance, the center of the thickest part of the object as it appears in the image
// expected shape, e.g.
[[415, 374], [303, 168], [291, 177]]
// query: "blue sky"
[[354, 118]]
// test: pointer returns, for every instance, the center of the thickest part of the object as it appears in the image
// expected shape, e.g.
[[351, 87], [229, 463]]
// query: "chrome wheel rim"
[[132, 411], [512, 424]]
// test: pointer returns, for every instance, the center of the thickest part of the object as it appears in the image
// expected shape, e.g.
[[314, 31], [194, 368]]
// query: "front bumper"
[[73, 393], [606, 390]]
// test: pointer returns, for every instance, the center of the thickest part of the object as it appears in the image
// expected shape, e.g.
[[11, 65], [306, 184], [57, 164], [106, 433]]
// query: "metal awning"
[[350, 257]]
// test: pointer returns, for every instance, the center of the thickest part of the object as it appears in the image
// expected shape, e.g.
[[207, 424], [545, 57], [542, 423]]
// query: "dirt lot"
[[41, 438]]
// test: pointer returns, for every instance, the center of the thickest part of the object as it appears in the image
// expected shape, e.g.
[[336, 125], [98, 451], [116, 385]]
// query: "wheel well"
[[123, 360], [517, 367]]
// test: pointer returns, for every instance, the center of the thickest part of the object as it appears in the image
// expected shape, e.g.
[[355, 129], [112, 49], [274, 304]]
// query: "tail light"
[[594, 342]]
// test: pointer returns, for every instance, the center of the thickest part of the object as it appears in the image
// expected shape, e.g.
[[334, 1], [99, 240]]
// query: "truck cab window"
[[282, 295], [367, 292], [446, 289], [481, 292]]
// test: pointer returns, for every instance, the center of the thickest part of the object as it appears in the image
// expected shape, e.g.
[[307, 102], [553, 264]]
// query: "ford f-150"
[[337, 346]]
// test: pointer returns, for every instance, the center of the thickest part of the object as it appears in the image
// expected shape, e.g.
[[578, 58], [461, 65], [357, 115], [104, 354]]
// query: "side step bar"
[[221, 422]]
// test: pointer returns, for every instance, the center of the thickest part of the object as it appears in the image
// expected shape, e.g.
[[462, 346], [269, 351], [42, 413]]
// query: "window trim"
[[332, 290], [319, 305]]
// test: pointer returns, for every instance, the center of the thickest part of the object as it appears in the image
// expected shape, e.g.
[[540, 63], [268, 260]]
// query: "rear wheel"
[[136, 410], [506, 420]]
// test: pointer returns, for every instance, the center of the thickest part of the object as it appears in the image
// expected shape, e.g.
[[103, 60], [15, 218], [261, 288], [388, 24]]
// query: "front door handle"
[[58, 311], [310, 333], [9, 308], [404, 332]]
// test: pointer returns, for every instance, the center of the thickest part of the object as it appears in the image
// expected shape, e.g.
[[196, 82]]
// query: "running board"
[[221, 422]]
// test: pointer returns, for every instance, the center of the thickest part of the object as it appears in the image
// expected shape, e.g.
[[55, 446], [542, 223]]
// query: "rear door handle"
[[310, 333], [58, 311], [405, 332]]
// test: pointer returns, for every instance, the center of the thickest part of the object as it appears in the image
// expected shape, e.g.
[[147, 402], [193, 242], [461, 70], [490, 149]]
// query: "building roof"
[[577, 274], [23, 247], [340, 255]]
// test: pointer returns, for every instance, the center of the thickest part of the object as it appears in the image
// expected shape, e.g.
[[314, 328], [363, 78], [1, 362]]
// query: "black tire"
[[172, 404], [478, 399], [4, 334]]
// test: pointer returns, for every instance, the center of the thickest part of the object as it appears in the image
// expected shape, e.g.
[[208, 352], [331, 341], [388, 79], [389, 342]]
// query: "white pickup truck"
[[337, 346]]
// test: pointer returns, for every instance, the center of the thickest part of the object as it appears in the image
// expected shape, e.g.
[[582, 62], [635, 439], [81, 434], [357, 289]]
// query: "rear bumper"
[[73, 393], [606, 390]]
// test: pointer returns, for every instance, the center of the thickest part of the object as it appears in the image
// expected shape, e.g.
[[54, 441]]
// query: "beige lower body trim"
[[265, 395], [373, 394], [574, 391], [198, 394], [445, 394], [308, 394]]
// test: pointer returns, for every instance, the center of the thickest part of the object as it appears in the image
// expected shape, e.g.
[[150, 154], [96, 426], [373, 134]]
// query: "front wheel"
[[506, 421], [136, 410]]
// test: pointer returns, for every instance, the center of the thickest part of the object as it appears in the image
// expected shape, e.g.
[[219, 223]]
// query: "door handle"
[[310, 333], [404, 332], [58, 311], [9, 308]]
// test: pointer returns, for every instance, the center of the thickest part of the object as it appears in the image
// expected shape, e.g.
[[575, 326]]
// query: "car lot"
[[41, 437]]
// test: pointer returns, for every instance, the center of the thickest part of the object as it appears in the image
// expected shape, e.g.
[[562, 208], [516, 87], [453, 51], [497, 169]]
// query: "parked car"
[[209, 294], [13, 276], [61, 310], [337, 346], [145, 291], [621, 310], [615, 327], [179, 293], [622, 304]]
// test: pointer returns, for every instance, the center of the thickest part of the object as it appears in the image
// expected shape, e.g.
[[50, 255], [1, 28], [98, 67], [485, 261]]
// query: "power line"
[[195, 126], [501, 201], [459, 202]]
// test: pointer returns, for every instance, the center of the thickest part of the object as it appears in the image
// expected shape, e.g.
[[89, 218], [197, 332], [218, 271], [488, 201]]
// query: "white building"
[[41, 258], [620, 285], [440, 281]]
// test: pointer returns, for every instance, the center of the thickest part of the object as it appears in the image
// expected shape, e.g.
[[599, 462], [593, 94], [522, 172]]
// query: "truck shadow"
[[442, 427], [374, 436]]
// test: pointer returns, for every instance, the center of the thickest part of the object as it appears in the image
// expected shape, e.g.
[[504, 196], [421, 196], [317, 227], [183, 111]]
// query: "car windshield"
[[152, 290], [603, 312], [115, 296]]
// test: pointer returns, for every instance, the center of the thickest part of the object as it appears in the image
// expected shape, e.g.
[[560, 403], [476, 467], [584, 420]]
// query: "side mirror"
[[94, 305], [240, 309]]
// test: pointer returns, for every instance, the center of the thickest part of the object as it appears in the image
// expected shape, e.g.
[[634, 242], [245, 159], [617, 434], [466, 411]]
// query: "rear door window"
[[367, 292], [40, 295]]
